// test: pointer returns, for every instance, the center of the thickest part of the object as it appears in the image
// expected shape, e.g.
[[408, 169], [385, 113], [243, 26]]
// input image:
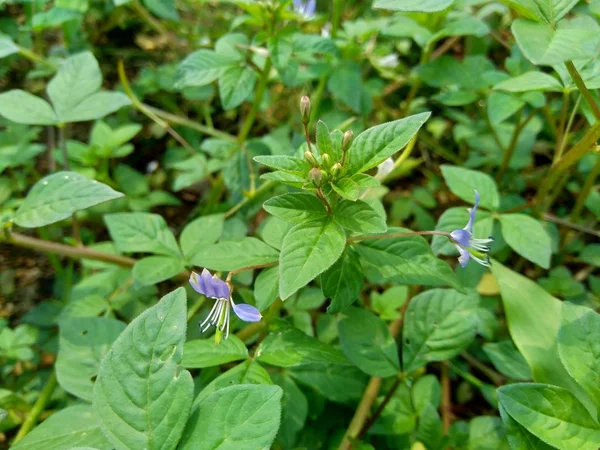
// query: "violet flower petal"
[[461, 237], [464, 257], [247, 313], [209, 285]]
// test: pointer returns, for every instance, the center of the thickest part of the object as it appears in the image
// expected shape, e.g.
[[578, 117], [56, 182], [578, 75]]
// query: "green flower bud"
[[327, 161], [316, 177], [305, 109], [336, 170], [310, 158], [347, 140]]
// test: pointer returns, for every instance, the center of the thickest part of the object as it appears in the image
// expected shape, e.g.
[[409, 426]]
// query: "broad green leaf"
[[23, 107], [430, 430], [308, 250], [591, 254], [163, 8], [235, 85], [579, 347], [58, 196], [439, 324], [546, 45], [283, 162], [96, 106], [338, 383], [247, 372], [291, 347], [141, 232], [201, 353], [463, 182], [552, 414], [413, 5], [266, 288], [507, 359], [375, 145], [530, 81], [487, 433], [201, 232], [232, 255], [294, 410], [154, 269], [346, 86], [323, 139], [7, 46], [463, 26], [426, 390], [72, 426], [296, 208], [142, 394], [83, 343], [501, 106], [518, 436], [367, 342], [236, 417], [343, 281], [527, 237], [202, 67], [409, 260], [359, 217], [535, 334], [347, 188]]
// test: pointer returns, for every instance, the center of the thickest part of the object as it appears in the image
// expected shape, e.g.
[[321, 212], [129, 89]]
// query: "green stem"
[[565, 134], [585, 190], [396, 235], [494, 376], [38, 407], [362, 413], [260, 190], [260, 92], [414, 89], [336, 19], [34, 57], [562, 118], [508, 154], [583, 88], [317, 97]]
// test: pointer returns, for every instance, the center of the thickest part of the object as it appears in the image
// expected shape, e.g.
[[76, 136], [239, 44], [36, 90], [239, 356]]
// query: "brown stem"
[[447, 45], [371, 420], [324, 201], [566, 223]]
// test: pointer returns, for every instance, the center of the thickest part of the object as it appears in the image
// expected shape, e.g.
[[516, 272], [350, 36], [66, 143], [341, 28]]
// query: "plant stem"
[[562, 118], [494, 376], [336, 19], [362, 413], [34, 57], [317, 97], [326, 204], [565, 134], [585, 190], [513, 142], [260, 92], [371, 420], [307, 137], [147, 17], [583, 89], [396, 235], [568, 224], [248, 200], [446, 406], [38, 407]]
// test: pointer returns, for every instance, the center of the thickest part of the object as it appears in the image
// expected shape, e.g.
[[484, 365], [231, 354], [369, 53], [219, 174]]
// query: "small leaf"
[[96, 106], [347, 188], [439, 324], [282, 162], [253, 424], [296, 208], [367, 342], [530, 81], [375, 145], [142, 395], [23, 107], [154, 269], [201, 353], [7, 46], [463, 182], [201, 232], [202, 67], [413, 5], [163, 8], [75, 425], [142, 232], [291, 347], [308, 250], [343, 281], [232, 255], [338, 383], [235, 85], [58, 196], [294, 412], [359, 217], [266, 288], [527, 237], [552, 414], [508, 360]]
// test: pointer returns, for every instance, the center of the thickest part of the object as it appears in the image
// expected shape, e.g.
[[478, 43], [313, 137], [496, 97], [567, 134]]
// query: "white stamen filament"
[[207, 320]]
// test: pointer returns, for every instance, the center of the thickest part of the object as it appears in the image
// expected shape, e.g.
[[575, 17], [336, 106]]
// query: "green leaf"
[[518, 436], [294, 412], [343, 281], [232, 255], [579, 347], [296, 208], [375, 145], [359, 217], [82, 344], [439, 324], [96, 106], [507, 359], [367, 342], [408, 260], [202, 67], [426, 391], [201, 232], [552, 414], [324, 143], [236, 417], [549, 11], [266, 288], [430, 427], [141, 232], [283, 162], [535, 334], [338, 383], [413, 5], [591, 254], [346, 86], [235, 85], [58, 196], [527, 237], [72, 426], [544, 44], [462, 182], [487, 433], [201, 353], [163, 8], [7, 46], [142, 395], [501, 106], [23, 107], [291, 347], [530, 81], [154, 269], [308, 250], [347, 188]]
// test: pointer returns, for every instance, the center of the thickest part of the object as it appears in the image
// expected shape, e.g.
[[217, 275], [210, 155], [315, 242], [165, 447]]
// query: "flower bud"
[[347, 140], [336, 170], [310, 158], [305, 109], [316, 177], [327, 162]]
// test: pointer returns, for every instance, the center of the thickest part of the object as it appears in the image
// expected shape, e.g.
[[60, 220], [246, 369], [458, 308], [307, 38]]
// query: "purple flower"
[[306, 8], [469, 247], [213, 287]]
